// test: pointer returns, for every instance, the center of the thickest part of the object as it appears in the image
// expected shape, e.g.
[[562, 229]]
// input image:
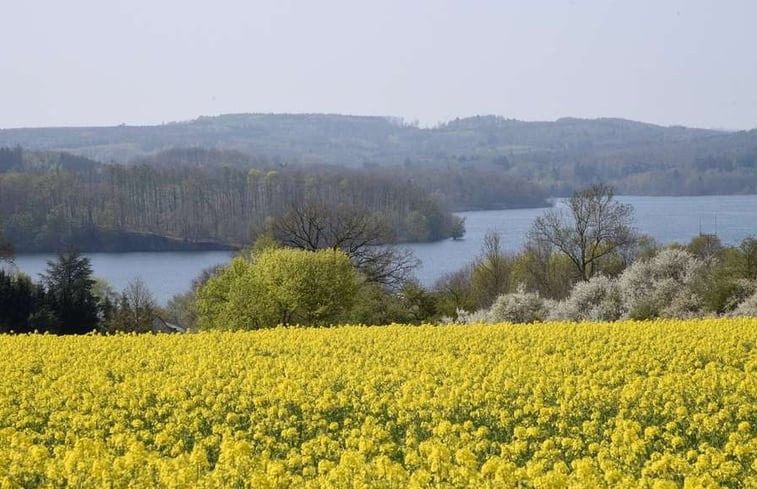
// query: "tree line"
[[318, 265], [558, 156], [69, 299], [583, 262], [62, 303], [111, 206]]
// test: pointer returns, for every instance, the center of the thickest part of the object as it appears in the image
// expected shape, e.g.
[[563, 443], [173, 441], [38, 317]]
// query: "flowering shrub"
[[664, 285], [652, 404], [598, 299], [517, 307], [661, 286], [748, 307]]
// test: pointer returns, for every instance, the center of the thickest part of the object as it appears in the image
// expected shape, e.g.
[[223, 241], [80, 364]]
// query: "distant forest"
[[216, 182], [209, 199], [557, 157]]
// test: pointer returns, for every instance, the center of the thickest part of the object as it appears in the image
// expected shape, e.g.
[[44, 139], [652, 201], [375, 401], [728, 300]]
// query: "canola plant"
[[630, 404]]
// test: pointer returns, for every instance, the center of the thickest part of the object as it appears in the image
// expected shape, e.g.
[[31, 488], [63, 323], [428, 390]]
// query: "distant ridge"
[[378, 139], [638, 157]]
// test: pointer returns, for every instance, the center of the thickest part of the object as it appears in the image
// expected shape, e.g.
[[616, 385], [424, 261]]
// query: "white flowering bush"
[[744, 291], [598, 299], [661, 286], [518, 307], [748, 307], [667, 285]]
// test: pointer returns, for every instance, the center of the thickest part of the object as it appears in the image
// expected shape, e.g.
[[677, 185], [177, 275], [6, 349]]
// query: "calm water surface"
[[668, 219]]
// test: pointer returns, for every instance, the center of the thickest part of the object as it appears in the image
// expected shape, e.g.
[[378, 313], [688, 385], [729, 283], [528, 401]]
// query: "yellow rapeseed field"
[[630, 404]]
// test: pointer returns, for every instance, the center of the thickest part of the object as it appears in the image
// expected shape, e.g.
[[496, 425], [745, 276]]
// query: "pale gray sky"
[[104, 62]]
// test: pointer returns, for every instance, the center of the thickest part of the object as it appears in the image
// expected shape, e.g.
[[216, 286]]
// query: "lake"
[[668, 219]]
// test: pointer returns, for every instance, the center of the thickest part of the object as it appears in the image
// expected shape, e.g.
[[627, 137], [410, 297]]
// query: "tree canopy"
[[279, 286], [69, 283]]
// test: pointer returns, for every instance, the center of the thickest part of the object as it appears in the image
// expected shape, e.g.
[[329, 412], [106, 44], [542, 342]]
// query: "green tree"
[[279, 286], [748, 248], [69, 284], [541, 270], [457, 227], [706, 247], [20, 298], [491, 271], [727, 277], [6, 248], [455, 292]]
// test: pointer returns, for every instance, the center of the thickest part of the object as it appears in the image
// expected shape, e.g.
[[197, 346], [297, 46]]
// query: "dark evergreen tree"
[[6, 248], [69, 291], [17, 301]]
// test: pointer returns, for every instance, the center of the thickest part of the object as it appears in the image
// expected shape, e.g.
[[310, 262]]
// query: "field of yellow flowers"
[[649, 404]]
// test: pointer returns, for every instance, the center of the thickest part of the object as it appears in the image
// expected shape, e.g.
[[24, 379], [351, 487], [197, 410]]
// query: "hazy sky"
[[106, 62]]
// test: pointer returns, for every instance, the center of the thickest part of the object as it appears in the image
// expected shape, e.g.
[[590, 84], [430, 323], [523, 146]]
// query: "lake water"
[[668, 219]]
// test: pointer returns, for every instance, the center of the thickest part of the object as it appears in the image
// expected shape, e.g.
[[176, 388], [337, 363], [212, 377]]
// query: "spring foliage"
[[594, 405], [278, 286]]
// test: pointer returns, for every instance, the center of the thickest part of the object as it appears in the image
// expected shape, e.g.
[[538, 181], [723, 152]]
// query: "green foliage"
[[279, 286], [374, 305], [416, 226], [412, 304], [214, 306], [264, 242], [6, 248], [417, 304], [476, 162], [491, 272], [748, 249], [455, 292], [550, 274], [182, 310], [646, 247], [705, 247], [728, 276], [69, 285], [20, 298], [457, 227]]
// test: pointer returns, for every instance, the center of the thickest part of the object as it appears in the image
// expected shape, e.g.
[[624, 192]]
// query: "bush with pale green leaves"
[[279, 286]]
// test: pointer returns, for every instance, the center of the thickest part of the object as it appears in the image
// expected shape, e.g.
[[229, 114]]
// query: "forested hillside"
[[50, 200], [559, 156]]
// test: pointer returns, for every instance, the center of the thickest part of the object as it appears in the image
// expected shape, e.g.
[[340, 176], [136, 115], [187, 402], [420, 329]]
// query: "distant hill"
[[559, 155]]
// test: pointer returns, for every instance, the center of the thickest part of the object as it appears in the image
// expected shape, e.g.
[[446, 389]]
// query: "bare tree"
[[491, 272], [136, 309], [363, 236], [596, 226]]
